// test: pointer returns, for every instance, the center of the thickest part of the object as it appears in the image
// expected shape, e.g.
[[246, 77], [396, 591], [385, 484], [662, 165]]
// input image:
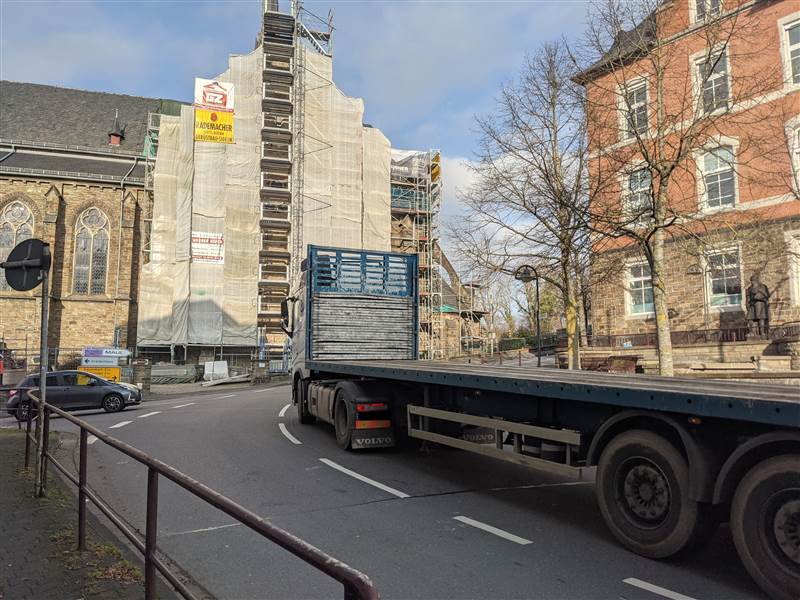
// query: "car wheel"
[[765, 523], [643, 493], [113, 403]]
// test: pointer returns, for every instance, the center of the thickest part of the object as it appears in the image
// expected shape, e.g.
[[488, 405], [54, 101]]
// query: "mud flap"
[[372, 438]]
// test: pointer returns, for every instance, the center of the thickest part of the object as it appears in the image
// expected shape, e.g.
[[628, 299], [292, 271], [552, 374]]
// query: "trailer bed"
[[754, 402]]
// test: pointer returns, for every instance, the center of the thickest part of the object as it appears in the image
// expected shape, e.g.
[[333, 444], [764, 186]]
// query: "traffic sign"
[[26, 264]]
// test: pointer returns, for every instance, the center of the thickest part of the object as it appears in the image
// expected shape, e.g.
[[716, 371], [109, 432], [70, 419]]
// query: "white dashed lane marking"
[[150, 414], [493, 530], [182, 405], [120, 424], [91, 439], [283, 410], [360, 477], [225, 396], [288, 435], [655, 589]]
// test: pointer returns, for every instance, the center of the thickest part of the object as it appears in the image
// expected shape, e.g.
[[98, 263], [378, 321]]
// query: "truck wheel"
[[642, 489], [343, 422], [765, 523], [301, 400]]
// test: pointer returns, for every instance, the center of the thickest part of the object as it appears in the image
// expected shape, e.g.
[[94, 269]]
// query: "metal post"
[[38, 486], [45, 449], [28, 435], [151, 528], [538, 329], [519, 357], [82, 491]]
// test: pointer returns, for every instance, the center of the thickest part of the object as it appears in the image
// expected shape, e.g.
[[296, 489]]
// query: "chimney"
[[117, 133]]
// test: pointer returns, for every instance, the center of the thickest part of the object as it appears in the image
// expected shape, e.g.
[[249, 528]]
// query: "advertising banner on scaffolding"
[[213, 126], [208, 247], [213, 112]]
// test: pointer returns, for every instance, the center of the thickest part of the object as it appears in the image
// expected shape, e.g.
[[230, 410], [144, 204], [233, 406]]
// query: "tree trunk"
[[571, 314], [663, 337]]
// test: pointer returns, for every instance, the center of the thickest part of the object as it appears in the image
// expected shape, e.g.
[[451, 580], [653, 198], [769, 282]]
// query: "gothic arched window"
[[91, 253], [16, 225]]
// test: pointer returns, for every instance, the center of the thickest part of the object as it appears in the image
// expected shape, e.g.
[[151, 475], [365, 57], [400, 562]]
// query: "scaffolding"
[[284, 40], [416, 196]]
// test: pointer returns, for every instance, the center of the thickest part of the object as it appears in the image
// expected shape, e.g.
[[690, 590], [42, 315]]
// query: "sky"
[[424, 69]]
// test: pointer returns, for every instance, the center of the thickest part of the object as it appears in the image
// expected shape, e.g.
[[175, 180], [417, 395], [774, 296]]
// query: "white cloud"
[[457, 177]]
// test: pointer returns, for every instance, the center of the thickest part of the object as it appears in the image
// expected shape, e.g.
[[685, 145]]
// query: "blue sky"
[[424, 69]]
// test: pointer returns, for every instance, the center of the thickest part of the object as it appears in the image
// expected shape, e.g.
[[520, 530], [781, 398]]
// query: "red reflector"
[[381, 424], [371, 406]]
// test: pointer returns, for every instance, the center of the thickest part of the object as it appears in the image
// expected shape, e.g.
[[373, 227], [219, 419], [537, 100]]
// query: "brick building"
[[735, 196], [72, 172]]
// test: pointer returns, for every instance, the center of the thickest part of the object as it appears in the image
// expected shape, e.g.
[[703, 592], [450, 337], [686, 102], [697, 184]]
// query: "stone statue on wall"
[[758, 307]]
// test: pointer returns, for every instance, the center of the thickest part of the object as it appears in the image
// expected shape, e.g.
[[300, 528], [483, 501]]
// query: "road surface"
[[437, 524]]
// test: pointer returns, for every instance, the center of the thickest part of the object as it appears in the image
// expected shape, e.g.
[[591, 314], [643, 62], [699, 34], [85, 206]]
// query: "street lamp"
[[696, 269], [526, 274]]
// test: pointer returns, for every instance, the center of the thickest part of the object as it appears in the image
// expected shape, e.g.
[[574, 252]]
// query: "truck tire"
[[343, 420], [765, 523], [643, 493], [300, 392]]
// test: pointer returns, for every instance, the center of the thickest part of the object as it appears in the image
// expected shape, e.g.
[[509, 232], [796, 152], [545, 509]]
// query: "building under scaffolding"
[[304, 169], [416, 188]]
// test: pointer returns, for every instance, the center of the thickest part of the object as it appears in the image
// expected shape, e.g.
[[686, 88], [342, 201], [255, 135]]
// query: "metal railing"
[[697, 336], [357, 586]]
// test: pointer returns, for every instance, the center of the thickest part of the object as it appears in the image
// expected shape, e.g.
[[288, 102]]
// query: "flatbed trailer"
[[671, 457]]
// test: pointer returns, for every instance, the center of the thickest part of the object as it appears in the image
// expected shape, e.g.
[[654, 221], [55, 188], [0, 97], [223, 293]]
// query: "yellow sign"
[[213, 126], [108, 373]]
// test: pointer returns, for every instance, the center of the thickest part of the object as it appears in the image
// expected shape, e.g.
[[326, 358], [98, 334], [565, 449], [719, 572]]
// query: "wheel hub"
[[647, 492], [786, 526]]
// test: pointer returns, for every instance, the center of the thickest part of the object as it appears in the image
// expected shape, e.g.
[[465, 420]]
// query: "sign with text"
[[107, 373], [216, 95], [99, 361], [208, 247], [213, 126], [118, 352]]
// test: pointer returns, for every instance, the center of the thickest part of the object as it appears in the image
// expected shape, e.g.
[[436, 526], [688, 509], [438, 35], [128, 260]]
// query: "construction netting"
[[200, 286], [345, 191]]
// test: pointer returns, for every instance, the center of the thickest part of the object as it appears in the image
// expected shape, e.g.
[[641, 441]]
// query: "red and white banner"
[[213, 95]]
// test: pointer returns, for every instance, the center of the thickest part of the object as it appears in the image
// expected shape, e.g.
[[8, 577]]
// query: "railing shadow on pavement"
[[357, 586]]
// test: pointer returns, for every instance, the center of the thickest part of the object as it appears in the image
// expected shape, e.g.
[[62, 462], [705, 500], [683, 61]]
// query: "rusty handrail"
[[357, 586]]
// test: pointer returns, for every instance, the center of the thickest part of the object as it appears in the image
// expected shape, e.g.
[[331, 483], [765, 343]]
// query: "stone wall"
[[764, 250], [78, 320]]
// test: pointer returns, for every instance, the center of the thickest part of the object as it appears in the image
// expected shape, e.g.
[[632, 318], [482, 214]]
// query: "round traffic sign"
[[26, 264]]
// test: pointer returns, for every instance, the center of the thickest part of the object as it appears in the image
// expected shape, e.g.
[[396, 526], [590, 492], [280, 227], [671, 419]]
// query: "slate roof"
[[628, 45], [44, 113]]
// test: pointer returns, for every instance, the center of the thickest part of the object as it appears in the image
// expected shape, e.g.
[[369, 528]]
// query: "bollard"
[[44, 449]]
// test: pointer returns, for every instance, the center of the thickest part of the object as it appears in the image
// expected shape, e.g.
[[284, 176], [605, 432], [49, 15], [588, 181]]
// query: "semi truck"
[[671, 457]]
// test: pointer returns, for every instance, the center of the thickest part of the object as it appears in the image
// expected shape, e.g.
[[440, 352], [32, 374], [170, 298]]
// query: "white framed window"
[[793, 135], [705, 10], [633, 106], [717, 178], [713, 81], [91, 252], [637, 201], [639, 290], [793, 259], [724, 283], [789, 28]]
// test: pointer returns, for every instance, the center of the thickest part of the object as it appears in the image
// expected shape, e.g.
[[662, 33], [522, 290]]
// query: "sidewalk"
[[38, 559]]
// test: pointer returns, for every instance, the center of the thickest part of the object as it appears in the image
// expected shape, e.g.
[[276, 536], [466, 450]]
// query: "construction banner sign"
[[213, 126]]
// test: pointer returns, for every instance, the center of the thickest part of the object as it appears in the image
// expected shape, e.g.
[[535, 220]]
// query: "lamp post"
[[696, 269], [526, 274]]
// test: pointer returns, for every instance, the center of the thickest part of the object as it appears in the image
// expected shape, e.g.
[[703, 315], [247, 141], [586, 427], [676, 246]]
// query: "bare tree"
[[656, 97], [529, 201]]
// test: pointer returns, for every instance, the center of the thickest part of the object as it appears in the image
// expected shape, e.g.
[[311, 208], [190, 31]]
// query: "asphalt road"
[[437, 524]]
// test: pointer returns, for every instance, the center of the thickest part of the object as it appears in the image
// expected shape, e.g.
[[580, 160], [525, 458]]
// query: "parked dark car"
[[73, 390]]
